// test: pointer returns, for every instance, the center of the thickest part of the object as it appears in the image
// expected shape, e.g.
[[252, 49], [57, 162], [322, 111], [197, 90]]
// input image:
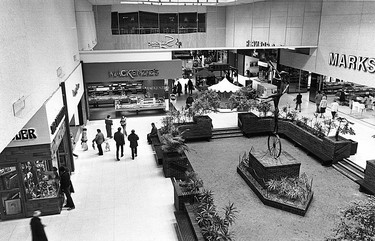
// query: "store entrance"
[[11, 205]]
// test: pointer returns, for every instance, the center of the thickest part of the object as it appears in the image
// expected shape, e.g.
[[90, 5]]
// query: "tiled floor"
[[131, 199]]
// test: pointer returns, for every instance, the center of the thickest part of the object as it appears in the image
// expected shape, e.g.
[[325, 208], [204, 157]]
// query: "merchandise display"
[[39, 181]]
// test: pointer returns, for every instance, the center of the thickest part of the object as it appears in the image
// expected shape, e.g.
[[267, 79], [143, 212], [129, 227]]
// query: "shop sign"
[[359, 63], [57, 120], [134, 73], [25, 134], [258, 44], [75, 91]]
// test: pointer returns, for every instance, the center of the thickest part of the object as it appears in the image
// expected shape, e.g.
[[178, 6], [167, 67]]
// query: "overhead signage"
[[75, 91], [25, 134], [359, 63], [133, 73], [57, 120], [256, 43]]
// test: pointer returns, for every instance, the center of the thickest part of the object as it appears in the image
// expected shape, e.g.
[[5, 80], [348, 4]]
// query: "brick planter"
[[175, 165], [264, 167], [200, 128], [181, 197]]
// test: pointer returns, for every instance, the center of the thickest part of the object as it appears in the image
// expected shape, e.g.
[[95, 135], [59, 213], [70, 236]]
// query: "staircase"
[[226, 132], [350, 170]]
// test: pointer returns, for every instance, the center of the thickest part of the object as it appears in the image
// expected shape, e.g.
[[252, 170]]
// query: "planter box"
[[268, 200], [368, 182], [201, 128], [193, 223], [181, 197], [327, 149], [353, 147], [156, 147], [175, 165], [264, 167]]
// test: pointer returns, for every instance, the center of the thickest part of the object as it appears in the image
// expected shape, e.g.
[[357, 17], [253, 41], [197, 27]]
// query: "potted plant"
[[186, 190], [357, 221], [214, 226], [243, 99]]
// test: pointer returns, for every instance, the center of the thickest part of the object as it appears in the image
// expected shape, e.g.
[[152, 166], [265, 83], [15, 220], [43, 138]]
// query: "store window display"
[[40, 180]]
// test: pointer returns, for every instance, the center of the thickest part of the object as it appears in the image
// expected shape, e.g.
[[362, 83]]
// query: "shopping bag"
[[93, 145]]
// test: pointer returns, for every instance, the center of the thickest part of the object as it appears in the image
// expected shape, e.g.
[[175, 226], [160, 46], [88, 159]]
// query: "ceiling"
[[174, 2]]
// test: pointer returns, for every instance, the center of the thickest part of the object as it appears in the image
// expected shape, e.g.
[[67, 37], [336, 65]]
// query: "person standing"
[[190, 86], [298, 101], [108, 126], [179, 88], [189, 101], [133, 139], [120, 142], [186, 89], [318, 99], [334, 109], [123, 124], [323, 106], [37, 228], [154, 132], [99, 139], [66, 186], [84, 140]]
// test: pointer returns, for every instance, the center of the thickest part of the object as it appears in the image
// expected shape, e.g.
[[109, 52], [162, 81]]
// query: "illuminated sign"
[[26, 134], [359, 63], [134, 73]]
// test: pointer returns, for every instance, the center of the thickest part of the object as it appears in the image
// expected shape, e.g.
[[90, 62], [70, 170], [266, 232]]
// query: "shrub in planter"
[[186, 190], [172, 143], [357, 221], [264, 107], [344, 127], [213, 225], [208, 101], [243, 99]]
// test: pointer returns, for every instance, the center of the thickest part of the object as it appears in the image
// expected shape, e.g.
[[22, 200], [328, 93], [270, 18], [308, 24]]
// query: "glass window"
[[114, 23], [128, 23], [40, 180], [188, 22], [168, 22], [148, 22], [201, 22]]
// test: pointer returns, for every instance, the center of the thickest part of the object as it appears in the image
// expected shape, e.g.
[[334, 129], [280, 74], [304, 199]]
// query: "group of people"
[[321, 105], [189, 87], [118, 136]]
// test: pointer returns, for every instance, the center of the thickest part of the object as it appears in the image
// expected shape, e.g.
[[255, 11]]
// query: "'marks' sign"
[[360, 63]]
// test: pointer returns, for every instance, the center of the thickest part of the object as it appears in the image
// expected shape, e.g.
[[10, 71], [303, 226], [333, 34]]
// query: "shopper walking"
[[37, 228], [108, 126], [318, 99], [120, 142], [133, 139], [179, 88], [323, 106], [123, 125], [84, 140], [190, 86], [334, 108], [99, 139], [298, 101], [66, 187]]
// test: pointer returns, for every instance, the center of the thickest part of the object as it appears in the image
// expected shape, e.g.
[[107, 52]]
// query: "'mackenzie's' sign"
[[360, 63]]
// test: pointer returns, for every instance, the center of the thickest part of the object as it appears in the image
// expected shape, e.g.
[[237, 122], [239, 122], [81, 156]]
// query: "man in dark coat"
[[99, 139], [154, 132], [179, 88], [133, 139], [37, 228], [120, 142], [65, 186], [190, 86], [108, 126]]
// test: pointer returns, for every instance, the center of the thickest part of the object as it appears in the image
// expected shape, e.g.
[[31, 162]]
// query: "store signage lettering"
[[134, 73], [75, 91], [258, 44], [359, 63], [26, 134], [57, 120]]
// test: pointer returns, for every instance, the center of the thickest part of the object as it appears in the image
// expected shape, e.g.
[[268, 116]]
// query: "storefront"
[[27, 178], [130, 86]]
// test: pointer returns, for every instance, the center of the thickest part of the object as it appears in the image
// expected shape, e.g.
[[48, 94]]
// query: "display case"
[[133, 103]]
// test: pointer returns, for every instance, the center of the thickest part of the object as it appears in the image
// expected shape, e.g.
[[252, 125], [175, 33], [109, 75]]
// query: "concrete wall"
[[85, 25], [347, 28], [275, 22], [213, 37], [37, 38]]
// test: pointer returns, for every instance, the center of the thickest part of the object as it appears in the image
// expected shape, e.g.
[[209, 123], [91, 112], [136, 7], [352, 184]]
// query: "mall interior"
[[67, 65]]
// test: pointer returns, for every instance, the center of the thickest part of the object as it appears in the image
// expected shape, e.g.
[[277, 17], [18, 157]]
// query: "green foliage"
[[357, 221], [167, 126], [329, 125], [319, 129], [192, 182], [264, 107], [213, 226], [292, 189], [172, 143], [243, 99], [208, 101], [343, 127]]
